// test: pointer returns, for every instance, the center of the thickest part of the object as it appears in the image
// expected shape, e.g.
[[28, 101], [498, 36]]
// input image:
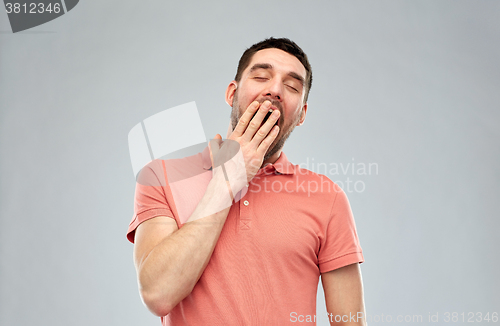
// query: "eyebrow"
[[268, 66]]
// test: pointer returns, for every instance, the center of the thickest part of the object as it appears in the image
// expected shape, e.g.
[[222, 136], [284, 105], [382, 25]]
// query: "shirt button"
[[246, 203]]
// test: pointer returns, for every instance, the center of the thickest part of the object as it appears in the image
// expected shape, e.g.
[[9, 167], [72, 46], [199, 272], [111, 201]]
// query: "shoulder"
[[161, 171], [324, 183]]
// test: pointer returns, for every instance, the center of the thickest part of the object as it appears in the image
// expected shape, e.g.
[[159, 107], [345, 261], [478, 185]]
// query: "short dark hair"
[[278, 43]]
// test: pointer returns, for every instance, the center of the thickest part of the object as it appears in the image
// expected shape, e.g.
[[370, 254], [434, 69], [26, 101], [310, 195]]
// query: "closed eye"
[[292, 88], [260, 78]]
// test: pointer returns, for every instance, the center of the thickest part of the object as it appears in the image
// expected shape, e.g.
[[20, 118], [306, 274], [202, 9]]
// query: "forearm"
[[172, 268]]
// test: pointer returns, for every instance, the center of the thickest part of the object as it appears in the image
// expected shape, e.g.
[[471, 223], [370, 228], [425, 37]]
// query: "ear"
[[302, 115], [230, 91]]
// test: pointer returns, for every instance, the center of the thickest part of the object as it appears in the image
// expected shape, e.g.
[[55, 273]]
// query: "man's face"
[[279, 77]]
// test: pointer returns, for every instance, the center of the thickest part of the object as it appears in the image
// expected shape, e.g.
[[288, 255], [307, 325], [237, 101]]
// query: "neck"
[[272, 159]]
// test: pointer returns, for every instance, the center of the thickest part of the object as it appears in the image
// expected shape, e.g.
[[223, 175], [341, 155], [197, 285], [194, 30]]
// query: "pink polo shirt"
[[289, 226]]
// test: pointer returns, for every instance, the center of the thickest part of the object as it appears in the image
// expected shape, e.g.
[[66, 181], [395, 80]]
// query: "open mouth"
[[266, 117]]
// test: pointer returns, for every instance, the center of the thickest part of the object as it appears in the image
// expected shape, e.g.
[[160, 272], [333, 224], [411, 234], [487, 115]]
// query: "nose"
[[274, 89]]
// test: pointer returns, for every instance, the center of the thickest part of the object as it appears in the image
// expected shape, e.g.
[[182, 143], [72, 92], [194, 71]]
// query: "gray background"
[[408, 85]]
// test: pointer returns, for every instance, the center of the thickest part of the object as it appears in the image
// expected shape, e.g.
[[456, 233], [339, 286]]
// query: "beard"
[[285, 129]]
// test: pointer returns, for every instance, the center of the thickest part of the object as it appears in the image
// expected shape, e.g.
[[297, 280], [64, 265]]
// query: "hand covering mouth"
[[268, 114]]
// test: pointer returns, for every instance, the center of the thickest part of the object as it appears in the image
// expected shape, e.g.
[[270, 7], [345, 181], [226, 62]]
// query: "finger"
[[245, 119], [214, 146], [266, 127], [256, 121], [264, 145]]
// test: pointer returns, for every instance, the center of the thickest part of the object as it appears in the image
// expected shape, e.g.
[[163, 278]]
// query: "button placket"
[[245, 222]]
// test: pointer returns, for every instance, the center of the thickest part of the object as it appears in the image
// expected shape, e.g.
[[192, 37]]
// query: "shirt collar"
[[282, 164]]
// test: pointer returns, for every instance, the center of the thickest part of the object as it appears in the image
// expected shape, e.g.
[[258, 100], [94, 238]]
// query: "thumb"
[[218, 139], [214, 146]]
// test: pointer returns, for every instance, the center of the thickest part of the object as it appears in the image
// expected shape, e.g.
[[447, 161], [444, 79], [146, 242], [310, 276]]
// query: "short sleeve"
[[150, 198], [340, 246]]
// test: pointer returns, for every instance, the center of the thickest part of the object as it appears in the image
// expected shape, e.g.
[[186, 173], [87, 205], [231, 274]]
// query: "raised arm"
[[169, 261]]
